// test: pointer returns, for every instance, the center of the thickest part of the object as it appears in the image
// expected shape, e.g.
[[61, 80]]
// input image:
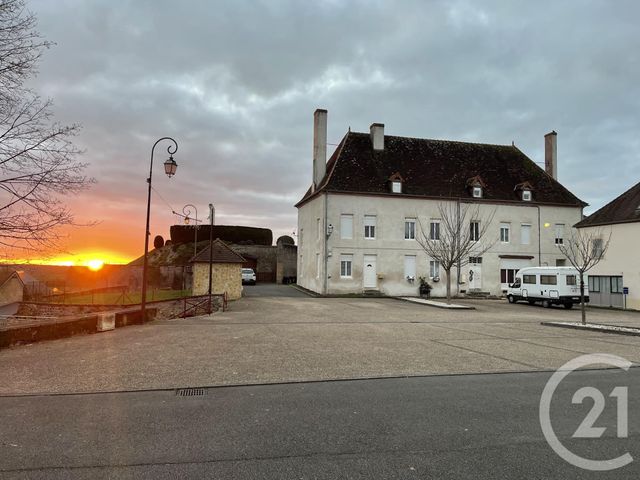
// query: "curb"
[[437, 304], [304, 290], [633, 332]]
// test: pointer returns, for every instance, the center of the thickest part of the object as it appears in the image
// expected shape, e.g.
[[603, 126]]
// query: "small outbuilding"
[[11, 288], [226, 271]]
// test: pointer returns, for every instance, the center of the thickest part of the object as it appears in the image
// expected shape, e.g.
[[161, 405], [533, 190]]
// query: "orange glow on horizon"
[[93, 260]]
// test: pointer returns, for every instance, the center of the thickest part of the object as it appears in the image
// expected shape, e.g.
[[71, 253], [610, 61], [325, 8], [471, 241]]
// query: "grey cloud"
[[236, 83]]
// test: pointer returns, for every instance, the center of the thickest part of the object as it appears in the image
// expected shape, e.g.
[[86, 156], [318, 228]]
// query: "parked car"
[[248, 276], [549, 285]]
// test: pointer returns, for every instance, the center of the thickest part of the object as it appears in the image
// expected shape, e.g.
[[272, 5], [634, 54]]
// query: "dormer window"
[[475, 186], [525, 191], [395, 183]]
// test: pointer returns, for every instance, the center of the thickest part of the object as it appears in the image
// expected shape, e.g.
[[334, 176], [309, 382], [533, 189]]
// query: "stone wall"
[[16, 331], [165, 308], [287, 256], [227, 277], [37, 309]]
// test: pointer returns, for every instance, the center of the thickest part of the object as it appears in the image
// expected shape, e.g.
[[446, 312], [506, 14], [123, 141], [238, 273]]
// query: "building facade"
[[359, 222], [619, 223], [226, 271]]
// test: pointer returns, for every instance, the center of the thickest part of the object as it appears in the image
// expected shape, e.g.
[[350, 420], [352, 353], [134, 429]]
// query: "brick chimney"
[[376, 131], [551, 154], [319, 146]]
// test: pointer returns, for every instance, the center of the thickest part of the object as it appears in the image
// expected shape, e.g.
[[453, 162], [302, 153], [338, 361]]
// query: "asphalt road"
[[466, 426]]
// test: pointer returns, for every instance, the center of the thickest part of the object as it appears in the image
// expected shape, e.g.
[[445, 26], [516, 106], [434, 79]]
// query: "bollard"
[[106, 322]]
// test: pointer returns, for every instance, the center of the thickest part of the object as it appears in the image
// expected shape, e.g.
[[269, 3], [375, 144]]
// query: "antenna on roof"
[[349, 128], [513, 144]]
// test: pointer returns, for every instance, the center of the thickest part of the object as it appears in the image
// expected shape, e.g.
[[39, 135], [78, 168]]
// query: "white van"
[[549, 285]]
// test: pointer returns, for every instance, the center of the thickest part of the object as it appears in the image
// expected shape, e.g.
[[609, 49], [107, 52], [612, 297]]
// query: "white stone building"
[[358, 221], [618, 221]]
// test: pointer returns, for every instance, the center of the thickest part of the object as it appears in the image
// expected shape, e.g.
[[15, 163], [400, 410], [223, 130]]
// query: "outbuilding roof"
[[622, 209], [222, 253], [437, 169], [6, 275]]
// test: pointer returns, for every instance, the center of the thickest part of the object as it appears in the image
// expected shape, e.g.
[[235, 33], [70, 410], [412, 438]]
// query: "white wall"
[[390, 247], [621, 258], [311, 244]]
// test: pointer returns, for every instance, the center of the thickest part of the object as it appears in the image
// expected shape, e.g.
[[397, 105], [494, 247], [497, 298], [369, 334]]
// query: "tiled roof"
[[222, 253], [623, 209], [438, 169]]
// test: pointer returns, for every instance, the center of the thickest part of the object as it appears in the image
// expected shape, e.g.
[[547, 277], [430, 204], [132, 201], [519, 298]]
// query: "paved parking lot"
[[282, 338]]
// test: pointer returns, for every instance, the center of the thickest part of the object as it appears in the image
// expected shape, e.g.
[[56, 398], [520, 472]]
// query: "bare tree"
[[456, 238], [584, 250], [38, 161]]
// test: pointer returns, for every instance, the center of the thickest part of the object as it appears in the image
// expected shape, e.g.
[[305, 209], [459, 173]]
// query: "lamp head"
[[170, 167]]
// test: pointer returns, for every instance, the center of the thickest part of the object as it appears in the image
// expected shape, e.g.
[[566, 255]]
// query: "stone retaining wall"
[[69, 320]]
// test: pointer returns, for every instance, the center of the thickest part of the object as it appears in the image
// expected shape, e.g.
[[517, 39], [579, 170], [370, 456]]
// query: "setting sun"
[[95, 264]]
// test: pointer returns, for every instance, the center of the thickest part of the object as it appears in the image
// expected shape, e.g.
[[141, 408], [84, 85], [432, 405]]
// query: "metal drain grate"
[[190, 392]]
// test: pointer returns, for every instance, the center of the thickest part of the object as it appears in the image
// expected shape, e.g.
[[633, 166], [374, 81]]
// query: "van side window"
[[530, 279], [571, 279], [548, 279]]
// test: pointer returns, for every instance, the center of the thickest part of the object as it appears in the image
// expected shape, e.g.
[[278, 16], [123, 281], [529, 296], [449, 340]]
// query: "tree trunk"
[[448, 286], [583, 310]]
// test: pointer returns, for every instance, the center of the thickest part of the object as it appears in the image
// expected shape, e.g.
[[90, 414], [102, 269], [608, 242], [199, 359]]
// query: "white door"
[[370, 275], [475, 276]]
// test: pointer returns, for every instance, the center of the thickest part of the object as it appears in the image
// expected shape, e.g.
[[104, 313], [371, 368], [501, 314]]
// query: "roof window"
[[395, 183], [476, 186]]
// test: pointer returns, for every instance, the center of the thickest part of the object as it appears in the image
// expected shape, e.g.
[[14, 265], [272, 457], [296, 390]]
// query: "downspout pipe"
[[539, 238], [326, 240]]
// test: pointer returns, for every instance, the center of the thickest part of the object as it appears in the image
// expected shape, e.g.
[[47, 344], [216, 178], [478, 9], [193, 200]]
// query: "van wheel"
[[568, 306], [546, 304], [511, 299]]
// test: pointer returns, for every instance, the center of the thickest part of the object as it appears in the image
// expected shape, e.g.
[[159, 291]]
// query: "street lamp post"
[[211, 213], [170, 167], [187, 212]]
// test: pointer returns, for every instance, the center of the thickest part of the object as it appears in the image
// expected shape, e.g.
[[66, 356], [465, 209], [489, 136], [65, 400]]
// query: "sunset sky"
[[236, 84]]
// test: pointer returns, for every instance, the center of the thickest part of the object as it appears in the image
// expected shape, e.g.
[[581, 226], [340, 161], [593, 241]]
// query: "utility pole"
[[210, 252]]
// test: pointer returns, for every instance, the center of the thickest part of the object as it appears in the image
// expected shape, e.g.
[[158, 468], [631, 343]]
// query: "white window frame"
[[346, 233], [476, 192], [525, 227], [597, 244], [526, 195], [396, 186], [411, 232], [346, 265], [370, 227], [433, 230], [434, 268], [505, 233], [410, 272], [474, 232]]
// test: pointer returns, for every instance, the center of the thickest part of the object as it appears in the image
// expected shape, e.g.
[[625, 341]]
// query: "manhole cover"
[[190, 392]]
